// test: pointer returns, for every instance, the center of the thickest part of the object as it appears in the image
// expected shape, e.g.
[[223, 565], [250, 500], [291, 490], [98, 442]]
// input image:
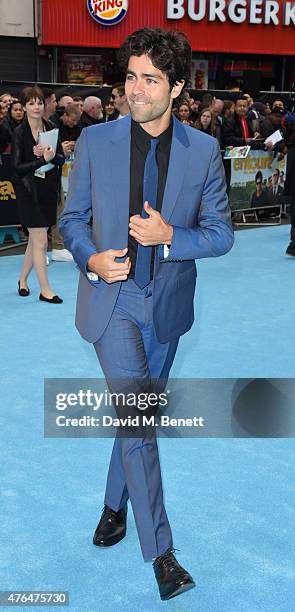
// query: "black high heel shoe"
[[54, 300], [23, 292]]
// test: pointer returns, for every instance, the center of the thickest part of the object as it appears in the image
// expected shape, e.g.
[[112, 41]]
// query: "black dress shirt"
[[140, 145]]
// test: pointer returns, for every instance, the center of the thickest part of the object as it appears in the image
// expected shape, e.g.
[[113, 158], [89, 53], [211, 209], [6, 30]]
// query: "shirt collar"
[[142, 138]]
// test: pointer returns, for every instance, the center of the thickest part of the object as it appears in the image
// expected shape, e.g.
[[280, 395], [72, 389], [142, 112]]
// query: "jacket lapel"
[[177, 167], [120, 162]]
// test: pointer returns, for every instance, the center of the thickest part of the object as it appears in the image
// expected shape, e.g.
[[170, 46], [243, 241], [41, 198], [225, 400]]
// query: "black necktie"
[[142, 273]]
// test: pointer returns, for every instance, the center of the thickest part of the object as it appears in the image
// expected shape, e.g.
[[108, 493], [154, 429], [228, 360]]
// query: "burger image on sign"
[[107, 12]]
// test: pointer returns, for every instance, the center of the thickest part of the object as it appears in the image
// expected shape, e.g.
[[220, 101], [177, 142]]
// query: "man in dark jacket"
[[238, 130], [69, 130], [92, 113], [62, 102], [273, 122]]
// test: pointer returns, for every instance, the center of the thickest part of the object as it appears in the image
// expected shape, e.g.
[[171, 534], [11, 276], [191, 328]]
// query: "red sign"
[[231, 26], [107, 12]]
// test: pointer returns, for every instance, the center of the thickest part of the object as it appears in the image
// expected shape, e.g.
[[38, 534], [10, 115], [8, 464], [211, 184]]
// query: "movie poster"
[[257, 180]]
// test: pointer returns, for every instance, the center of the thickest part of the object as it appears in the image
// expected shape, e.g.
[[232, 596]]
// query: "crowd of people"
[[39, 192], [238, 122], [69, 114]]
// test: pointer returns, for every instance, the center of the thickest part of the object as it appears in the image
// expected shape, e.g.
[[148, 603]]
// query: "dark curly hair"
[[169, 51]]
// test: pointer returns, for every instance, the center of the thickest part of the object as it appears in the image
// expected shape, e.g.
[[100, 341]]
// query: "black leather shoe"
[[171, 577], [291, 249], [54, 300], [111, 527], [23, 292]]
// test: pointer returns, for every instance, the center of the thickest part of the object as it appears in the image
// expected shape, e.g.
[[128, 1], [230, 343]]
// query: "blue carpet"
[[230, 501]]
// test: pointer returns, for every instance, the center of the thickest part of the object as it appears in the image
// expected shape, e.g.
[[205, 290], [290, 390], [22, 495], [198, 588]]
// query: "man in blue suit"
[[147, 197]]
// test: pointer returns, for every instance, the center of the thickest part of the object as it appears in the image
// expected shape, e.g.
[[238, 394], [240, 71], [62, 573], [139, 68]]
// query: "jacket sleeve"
[[22, 168], [213, 234], [59, 158], [75, 220]]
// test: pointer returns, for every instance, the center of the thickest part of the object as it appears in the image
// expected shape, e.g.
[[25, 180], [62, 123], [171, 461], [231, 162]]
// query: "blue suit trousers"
[[129, 349]]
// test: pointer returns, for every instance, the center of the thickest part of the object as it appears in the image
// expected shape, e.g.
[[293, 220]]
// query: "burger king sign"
[[107, 12]]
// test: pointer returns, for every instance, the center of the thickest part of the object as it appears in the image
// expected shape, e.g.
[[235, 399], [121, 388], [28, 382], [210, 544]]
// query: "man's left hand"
[[152, 230]]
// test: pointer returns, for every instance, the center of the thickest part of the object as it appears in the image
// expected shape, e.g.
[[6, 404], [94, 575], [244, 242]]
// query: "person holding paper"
[[270, 125], [36, 156]]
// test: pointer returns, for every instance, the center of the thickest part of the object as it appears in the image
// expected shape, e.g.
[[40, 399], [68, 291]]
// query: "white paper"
[[50, 140], [274, 138]]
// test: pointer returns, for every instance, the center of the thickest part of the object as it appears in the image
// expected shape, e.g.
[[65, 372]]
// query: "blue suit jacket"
[[194, 202]]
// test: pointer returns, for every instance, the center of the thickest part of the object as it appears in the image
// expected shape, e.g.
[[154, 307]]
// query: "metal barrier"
[[250, 216]]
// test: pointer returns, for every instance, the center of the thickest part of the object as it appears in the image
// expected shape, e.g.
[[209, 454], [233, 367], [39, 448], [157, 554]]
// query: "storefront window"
[[219, 71], [237, 72], [82, 68], [248, 73]]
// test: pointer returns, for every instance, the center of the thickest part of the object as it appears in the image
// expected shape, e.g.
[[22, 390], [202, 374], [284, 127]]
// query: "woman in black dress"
[[36, 193]]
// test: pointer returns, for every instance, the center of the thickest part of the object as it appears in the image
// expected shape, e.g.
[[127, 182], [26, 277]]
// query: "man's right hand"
[[107, 268], [67, 148]]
